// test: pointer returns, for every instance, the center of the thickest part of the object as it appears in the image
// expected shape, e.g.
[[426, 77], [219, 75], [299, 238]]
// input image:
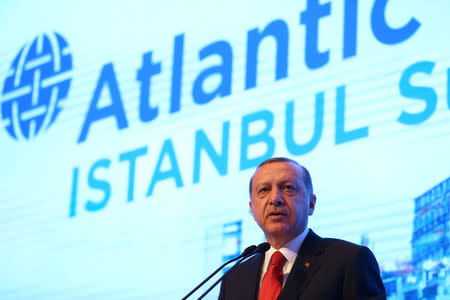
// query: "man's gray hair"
[[306, 178]]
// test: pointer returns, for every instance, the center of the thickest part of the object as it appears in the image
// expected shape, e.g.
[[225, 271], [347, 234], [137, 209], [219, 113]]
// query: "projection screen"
[[130, 130]]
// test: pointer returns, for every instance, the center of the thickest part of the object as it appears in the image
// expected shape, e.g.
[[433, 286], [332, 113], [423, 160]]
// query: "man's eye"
[[289, 188], [263, 190]]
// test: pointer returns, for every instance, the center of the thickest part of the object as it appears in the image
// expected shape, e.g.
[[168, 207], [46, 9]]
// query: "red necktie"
[[272, 282]]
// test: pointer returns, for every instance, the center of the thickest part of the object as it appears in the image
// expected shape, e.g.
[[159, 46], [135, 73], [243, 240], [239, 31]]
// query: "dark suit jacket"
[[323, 269]]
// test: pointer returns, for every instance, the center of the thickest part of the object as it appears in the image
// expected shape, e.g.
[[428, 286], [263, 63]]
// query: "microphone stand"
[[248, 251], [221, 278], [260, 249]]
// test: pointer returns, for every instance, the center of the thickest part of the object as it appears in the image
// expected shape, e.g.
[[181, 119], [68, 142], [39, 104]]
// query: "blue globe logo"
[[35, 86]]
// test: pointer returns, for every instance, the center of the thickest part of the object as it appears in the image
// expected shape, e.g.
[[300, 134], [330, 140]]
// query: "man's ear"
[[251, 209], [312, 204]]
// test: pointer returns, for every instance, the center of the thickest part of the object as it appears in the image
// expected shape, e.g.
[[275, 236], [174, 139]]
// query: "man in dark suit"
[[299, 264]]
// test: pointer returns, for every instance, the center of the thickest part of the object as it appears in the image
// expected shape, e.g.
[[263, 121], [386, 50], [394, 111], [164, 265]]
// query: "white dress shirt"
[[290, 251]]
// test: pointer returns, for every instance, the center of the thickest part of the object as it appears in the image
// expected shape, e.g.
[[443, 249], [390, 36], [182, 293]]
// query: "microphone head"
[[263, 247], [249, 250]]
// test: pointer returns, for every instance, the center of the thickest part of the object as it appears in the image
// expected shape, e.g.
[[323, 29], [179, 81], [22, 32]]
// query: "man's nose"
[[276, 197]]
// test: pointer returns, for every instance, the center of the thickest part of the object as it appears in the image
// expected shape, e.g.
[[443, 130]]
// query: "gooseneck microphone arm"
[[247, 252], [260, 249]]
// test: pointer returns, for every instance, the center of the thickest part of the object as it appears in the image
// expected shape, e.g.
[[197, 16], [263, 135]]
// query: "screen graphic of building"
[[426, 276], [431, 239]]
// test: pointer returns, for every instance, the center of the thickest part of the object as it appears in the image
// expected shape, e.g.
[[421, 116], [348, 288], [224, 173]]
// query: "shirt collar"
[[290, 249]]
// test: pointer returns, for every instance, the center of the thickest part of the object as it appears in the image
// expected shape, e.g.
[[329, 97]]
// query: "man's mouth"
[[276, 214]]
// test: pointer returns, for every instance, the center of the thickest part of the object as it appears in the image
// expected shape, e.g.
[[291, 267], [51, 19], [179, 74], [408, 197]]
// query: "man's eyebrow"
[[290, 179], [263, 183], [284, 181]]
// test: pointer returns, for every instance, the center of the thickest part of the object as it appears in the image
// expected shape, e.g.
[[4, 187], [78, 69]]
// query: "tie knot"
[[277, 259]]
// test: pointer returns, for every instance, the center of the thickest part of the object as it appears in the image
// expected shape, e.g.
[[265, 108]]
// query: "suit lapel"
[[250, 276], [305, 266]]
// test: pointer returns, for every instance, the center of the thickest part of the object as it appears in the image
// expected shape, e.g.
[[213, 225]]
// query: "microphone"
[[247, 252], [262, 248]]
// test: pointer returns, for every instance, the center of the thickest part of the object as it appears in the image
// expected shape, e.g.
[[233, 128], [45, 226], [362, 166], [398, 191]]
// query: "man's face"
[[280, 203]]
